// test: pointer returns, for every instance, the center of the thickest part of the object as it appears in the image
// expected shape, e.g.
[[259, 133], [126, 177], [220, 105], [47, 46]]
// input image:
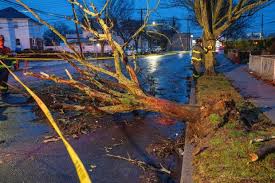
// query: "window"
[[17, 42]]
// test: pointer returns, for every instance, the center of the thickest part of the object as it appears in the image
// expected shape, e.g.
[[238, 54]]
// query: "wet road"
[[24, 158]]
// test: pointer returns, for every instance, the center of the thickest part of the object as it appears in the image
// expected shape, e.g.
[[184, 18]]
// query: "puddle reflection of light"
[[181, 55], [153, 63]]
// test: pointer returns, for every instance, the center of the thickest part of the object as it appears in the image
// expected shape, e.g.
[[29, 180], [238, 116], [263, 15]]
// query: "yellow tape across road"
[[88, 59], [80, 169]]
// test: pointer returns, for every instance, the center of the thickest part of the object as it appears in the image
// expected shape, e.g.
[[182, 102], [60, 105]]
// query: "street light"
[[97, 50], [154, 23], [191, 42]]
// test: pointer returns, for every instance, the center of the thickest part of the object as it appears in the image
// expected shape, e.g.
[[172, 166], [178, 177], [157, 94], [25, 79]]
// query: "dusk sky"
[[62, 7]]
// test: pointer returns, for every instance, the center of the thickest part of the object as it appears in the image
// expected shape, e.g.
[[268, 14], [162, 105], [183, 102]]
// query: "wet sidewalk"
[[257, 91]]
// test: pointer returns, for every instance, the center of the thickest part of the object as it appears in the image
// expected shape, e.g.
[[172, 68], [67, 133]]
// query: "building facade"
[[181, 41], [20, 31]]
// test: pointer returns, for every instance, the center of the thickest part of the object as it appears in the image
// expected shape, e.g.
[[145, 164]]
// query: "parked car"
[[130, 52], [157, 49]]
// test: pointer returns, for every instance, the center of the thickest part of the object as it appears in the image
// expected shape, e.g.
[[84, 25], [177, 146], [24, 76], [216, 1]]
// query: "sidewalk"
[[257, 91]]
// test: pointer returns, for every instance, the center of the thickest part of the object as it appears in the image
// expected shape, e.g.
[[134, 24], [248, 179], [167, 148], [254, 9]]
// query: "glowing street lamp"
[[154, 23], [97, 49]]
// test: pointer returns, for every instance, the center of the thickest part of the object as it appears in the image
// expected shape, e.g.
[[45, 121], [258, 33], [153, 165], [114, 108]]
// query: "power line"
[[36, 10], [262, 26], [76, 29]]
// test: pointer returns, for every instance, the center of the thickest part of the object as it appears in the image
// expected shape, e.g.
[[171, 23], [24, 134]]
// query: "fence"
[[263, 66], [239, 57]]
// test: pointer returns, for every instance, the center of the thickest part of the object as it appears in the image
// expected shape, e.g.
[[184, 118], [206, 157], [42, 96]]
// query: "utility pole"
[[141, 10], [262, 27], [188, 33], [174, 22], [76, 29], [141, 23]]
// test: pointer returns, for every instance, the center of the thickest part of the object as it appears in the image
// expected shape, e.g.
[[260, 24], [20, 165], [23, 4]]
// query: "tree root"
[[142, 164]]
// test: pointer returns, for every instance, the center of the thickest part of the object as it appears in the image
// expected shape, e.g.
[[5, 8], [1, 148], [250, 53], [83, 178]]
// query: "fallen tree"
[[115, 88]]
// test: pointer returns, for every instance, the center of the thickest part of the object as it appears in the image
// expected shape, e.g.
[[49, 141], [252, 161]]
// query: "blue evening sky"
[[62, 7]]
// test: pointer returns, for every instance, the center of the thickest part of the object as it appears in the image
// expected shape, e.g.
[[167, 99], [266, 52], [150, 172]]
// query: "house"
[[88, 43], [20, 31]]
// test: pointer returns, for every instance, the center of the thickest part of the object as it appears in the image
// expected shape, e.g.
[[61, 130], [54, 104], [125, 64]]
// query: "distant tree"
[[50, 38], [160, 34], [238, 29], [120, 10], [126, 28], [121, 13], [118, 13], [215, 17]]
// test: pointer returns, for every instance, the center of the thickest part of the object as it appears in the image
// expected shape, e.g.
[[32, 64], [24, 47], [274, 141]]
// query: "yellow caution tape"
[[80, 169], [88, 59]]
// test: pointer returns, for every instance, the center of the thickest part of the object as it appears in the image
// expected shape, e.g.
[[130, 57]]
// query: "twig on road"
[[142, 164]]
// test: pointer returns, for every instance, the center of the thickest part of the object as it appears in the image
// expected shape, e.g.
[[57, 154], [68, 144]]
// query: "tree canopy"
[[51, 38], [215, 17]]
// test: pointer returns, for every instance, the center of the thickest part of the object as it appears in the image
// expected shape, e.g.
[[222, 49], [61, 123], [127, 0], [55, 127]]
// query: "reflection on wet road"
[[169, 75]]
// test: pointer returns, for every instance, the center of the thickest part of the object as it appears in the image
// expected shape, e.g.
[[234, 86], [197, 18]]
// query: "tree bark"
[[102, 46], [187, 113], [263, 151], [210, 60]]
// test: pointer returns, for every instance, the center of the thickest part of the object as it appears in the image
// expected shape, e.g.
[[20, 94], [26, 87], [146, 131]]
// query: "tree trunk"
[[102, 45], [210, 59], [188, 113], [263, 151]]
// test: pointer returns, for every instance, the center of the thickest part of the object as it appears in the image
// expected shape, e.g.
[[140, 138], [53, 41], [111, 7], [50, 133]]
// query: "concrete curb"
[[187, 168]]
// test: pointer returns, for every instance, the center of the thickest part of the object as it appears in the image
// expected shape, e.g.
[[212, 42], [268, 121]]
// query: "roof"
[[13, 13]]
